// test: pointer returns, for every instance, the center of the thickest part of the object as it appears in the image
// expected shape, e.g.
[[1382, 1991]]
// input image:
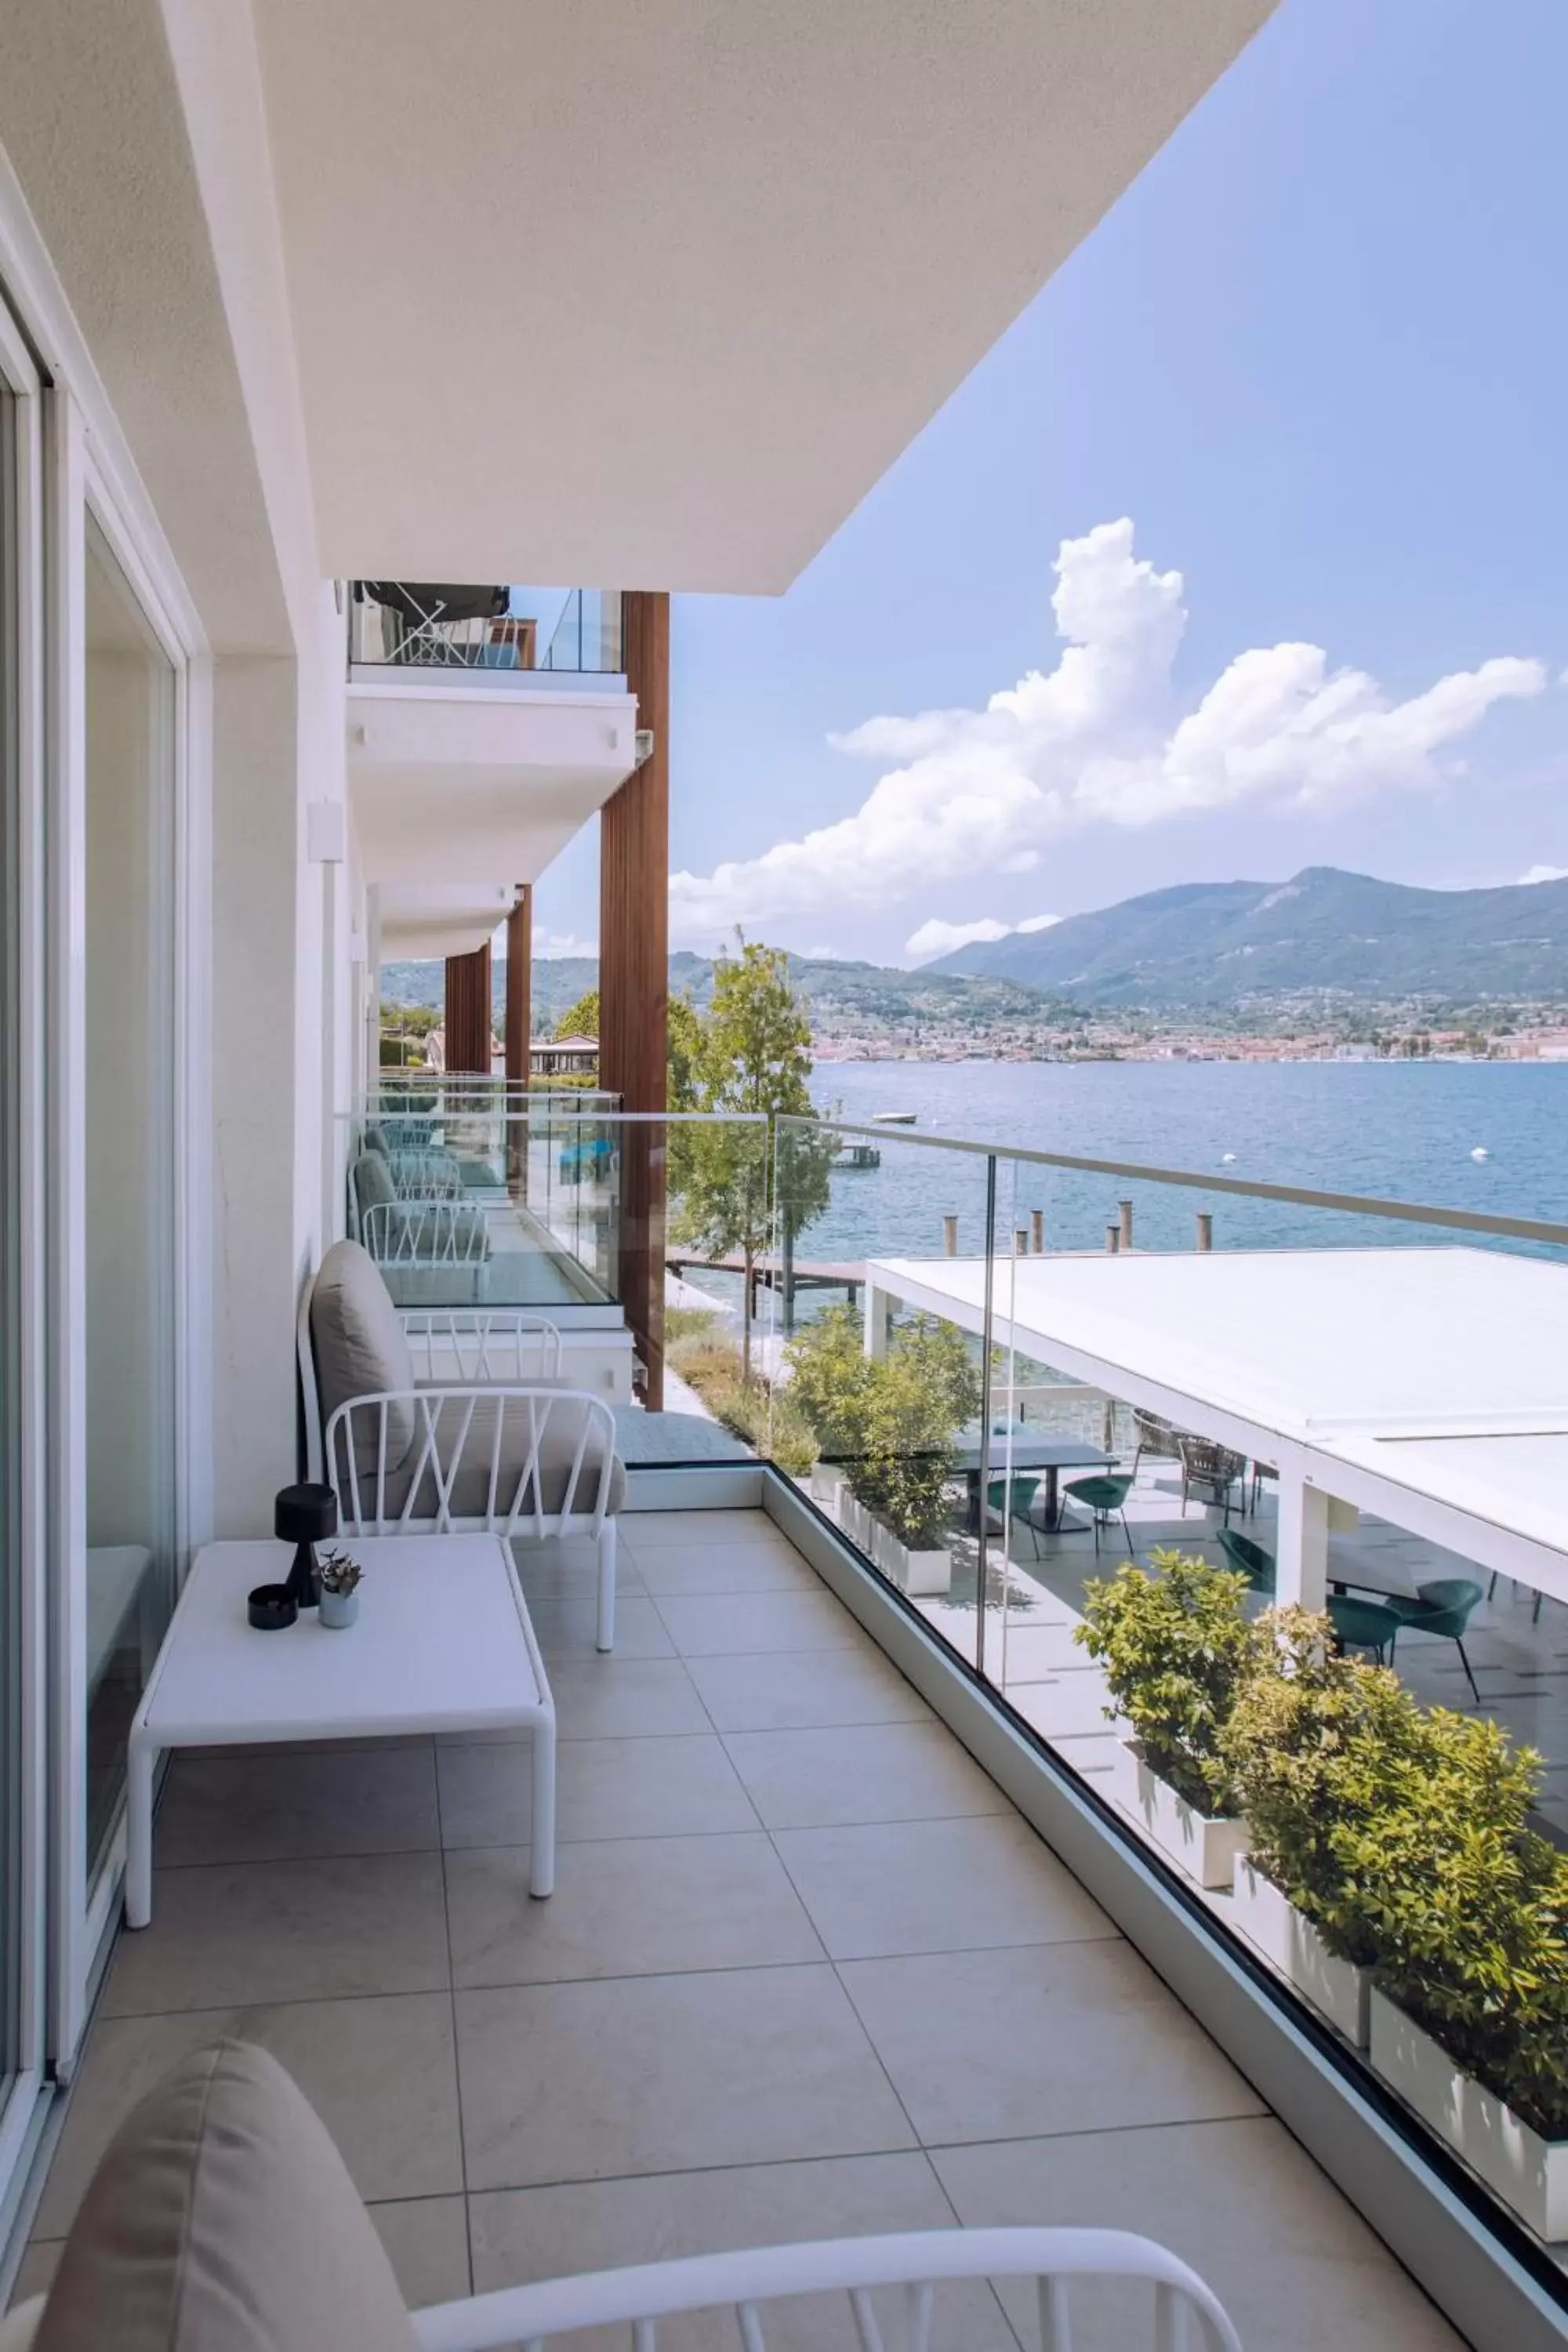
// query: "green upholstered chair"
[[1104, 1496], [1362, 1624], [1011, 1498], [1444, 1607], [1253, 1560]]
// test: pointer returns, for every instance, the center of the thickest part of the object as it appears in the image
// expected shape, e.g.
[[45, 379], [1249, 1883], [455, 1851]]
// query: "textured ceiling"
[[650, 292]]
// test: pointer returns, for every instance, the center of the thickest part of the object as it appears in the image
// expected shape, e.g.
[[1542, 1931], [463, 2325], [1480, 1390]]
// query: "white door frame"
[[85, 482], [18, 2108]]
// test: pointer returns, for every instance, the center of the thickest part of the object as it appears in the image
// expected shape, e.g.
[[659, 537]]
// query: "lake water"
[[1403, 1130]]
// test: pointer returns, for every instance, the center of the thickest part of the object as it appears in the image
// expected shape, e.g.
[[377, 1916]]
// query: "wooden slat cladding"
[[634, 975], [518, 986], [469, 1010]]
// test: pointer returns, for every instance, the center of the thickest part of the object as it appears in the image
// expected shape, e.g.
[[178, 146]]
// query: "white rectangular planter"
[[1205, 1848], [826, 1485], [915, 1572], [1272, 1926], [1528, 2173]]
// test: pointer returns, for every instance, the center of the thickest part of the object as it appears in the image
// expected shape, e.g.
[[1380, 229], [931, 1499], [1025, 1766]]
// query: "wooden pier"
[[787, 1275]]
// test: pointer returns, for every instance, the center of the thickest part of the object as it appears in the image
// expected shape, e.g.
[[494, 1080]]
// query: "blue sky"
[[1317, 355]]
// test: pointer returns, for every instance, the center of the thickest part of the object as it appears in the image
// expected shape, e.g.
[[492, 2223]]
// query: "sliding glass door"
[[128, 1253]]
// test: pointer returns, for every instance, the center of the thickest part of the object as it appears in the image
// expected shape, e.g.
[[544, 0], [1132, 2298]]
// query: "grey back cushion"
[[373, 1181], [222, 2219], [361, 1349]]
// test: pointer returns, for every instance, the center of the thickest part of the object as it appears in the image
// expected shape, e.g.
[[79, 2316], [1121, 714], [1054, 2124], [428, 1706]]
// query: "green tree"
[[891, 1419], [753, 1059], [581, 1019]]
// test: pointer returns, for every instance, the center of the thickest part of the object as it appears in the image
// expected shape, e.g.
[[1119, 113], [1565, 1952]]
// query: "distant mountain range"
[[1218, 944], [1210, 946], [836, 994]]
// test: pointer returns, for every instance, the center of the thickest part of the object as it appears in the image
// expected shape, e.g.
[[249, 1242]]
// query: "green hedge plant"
[[1177, 1649], [891, 1419], [1468, 1908], [1313, 1744]]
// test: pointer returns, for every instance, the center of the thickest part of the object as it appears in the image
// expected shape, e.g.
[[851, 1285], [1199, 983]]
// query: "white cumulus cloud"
[[936, 937], [1101, 739], [939, 939]]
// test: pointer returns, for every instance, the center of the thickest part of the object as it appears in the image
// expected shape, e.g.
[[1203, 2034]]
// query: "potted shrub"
[[1176, 1647], [1469, 2012], [891, 1420], [1312, 1746]]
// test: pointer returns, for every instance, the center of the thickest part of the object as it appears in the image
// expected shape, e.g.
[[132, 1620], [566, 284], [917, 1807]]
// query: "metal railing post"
[[984, 1500]]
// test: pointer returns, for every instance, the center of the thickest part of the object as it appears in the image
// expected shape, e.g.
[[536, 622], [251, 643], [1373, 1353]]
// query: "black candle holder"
[[304, 1516]]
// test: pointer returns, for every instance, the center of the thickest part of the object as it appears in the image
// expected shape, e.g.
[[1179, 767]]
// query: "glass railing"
[[469, 1193], [1104, 1427], [451, 625]]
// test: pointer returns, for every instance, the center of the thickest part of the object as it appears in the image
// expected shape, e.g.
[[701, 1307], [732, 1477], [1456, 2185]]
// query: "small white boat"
[[894, 1118]]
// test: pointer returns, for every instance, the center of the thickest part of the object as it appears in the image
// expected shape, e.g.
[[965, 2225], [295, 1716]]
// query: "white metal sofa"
[[222, 2219], [509, 1455]]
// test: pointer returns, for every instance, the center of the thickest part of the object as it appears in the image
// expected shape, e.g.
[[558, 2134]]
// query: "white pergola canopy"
[[1429, 1385]]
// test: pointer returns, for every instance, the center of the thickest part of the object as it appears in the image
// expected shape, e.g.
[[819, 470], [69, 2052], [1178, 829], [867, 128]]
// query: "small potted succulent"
[[339, 1582]]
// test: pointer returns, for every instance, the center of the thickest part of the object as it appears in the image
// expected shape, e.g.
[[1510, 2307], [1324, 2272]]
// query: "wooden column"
[[518, 986], [469, 1010], [518, 1030], [634, 976]]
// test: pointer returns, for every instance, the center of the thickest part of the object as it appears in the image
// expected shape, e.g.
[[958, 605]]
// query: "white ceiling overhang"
[[419, 922], [650, 292], [448, 781]]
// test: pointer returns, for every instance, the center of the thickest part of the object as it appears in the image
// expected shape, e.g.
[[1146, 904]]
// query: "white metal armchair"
[[506, 1347], [222, 2193], [913, 2263], [532, 1462], [517, 1454]]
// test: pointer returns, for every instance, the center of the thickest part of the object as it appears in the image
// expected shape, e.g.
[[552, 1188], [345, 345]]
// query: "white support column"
[[878, 1309], [1301, 1560]]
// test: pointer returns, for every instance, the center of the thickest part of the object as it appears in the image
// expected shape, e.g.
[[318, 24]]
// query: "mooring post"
[[1112, 1238], [1021, 1242], [1126, 1208], [1206, 1229], [1037, 1232], [950, 1236]]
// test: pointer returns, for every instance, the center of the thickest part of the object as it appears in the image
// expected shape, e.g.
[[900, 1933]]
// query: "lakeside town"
[[1524, 1034]]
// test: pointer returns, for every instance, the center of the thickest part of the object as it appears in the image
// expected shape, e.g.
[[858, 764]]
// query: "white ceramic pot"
[[337, 1610], [1528, 2173], [1273, 1927], [1206, 1848]]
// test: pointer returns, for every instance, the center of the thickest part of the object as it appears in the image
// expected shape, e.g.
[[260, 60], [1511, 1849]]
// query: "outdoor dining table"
[[1014, 1453], [1022, 1453]]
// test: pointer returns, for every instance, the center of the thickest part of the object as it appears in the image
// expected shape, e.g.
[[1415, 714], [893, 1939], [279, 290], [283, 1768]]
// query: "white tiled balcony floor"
[[805, 1972]]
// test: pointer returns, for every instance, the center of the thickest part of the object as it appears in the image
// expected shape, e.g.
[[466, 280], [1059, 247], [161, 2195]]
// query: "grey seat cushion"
[[359, 1348], [561, 1416], [222, 2219]]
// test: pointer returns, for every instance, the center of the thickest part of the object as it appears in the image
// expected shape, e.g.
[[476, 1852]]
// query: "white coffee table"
[[443, 1643]]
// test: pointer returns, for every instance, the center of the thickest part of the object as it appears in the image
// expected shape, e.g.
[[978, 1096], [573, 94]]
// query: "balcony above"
[[476, 743]]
